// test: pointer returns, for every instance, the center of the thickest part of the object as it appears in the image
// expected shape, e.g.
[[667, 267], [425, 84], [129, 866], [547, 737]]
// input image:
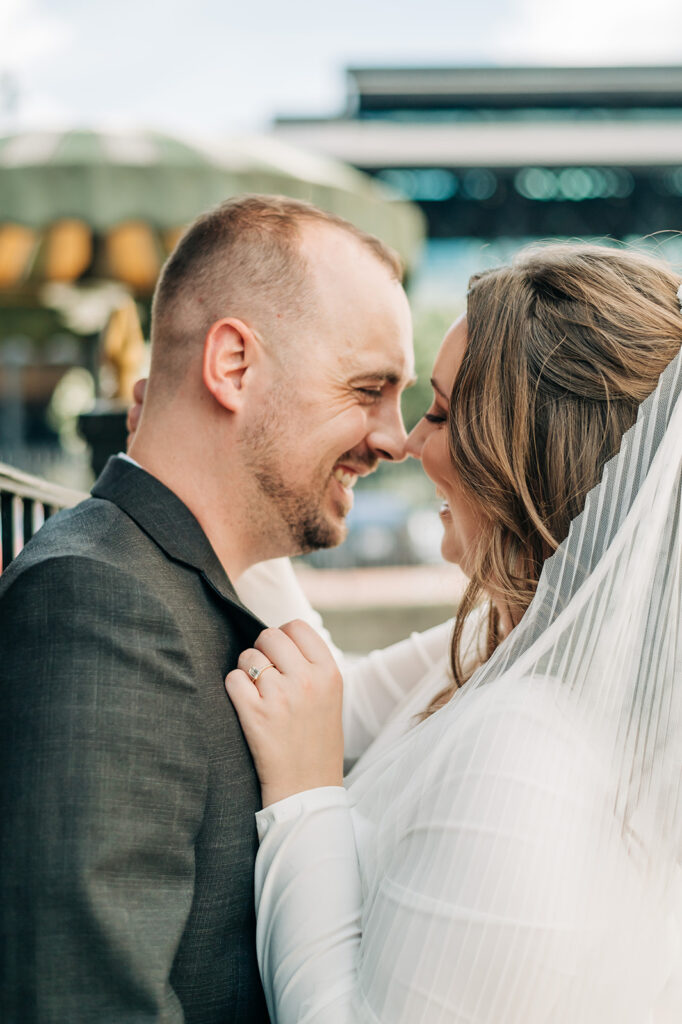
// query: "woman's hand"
[[291, 715]]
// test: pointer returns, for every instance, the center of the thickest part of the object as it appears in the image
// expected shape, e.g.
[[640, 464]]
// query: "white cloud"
[[214, 65], [591, 32], [40, 110], [28, 35]]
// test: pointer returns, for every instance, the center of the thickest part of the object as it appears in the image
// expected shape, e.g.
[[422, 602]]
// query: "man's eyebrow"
[[436, 387], [383, 377]]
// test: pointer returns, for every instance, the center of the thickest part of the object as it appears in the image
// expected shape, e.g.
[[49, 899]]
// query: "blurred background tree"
[[430, 326]]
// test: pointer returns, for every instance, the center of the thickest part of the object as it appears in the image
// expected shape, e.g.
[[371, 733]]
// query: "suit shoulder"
[[77, 609], [56, 579], [95, 533]]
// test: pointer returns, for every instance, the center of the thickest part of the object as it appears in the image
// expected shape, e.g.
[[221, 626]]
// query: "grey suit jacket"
[[128, 793]]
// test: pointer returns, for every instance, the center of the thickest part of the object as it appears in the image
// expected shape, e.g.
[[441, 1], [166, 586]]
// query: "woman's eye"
[[431, 417]]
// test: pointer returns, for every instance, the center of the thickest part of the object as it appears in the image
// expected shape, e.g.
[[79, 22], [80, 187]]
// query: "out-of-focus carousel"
[[86, 221]]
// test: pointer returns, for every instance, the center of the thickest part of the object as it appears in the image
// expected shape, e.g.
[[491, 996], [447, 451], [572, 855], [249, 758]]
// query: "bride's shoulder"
[[523, 724]]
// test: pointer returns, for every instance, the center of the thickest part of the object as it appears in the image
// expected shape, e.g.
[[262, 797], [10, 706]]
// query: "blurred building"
[[500, 156]]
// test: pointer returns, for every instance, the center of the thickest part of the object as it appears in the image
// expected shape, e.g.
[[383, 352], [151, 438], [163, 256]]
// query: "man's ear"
[[230, 350]]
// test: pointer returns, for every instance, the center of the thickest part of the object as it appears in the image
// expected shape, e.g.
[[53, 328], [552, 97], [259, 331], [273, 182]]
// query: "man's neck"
[[217, 504]]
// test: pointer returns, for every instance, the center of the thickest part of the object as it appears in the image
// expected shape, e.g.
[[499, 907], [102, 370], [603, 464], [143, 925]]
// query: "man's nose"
[[387, 439]]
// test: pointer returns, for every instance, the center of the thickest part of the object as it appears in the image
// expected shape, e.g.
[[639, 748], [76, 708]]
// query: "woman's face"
[[429, 442]]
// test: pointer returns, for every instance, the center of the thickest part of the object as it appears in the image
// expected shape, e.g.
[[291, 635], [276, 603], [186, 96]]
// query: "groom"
[[281, 343]]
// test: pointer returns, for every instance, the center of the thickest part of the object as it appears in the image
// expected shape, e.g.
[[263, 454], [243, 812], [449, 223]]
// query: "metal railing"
[[25, 503]]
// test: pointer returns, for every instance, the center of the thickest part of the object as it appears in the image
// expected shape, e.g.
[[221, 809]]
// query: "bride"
[[509, 849]]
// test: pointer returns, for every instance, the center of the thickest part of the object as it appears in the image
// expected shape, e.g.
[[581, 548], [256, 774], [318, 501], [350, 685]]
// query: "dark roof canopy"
[[502, 88]]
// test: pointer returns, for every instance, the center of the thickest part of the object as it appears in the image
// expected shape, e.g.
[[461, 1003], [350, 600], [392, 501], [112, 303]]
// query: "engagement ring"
[[255, 673]]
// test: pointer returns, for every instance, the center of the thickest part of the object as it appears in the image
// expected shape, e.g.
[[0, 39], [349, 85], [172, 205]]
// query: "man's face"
[[334, 410]]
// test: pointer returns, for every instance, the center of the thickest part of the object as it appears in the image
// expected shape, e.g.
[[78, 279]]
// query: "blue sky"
[[206, 67]]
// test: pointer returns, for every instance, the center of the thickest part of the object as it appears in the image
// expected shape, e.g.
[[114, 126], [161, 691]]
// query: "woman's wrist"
[[272, 794], [291, 809]]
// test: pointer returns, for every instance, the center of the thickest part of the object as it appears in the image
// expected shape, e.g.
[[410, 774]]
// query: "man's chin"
[[321, 537]]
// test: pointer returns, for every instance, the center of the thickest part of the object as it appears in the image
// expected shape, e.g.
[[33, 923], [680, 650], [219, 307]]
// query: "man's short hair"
[[243, 259]]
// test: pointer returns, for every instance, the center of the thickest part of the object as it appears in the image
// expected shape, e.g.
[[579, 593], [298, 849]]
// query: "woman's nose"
[[415, 441]]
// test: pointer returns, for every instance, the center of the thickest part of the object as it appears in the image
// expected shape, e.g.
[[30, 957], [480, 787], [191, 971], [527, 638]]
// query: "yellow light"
[[68, 250], [17, 244], [133, 255]]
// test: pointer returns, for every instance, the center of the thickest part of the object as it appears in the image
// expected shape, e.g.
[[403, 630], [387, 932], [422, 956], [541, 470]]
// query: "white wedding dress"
[[515, 858]]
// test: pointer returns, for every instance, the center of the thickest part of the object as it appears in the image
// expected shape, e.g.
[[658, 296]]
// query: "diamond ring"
[[255, 673]]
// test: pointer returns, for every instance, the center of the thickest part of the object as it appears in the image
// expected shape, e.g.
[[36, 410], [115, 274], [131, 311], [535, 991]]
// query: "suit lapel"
[[169, 523]]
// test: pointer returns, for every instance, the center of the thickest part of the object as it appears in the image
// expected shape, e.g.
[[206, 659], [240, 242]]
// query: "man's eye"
[[370, 392]]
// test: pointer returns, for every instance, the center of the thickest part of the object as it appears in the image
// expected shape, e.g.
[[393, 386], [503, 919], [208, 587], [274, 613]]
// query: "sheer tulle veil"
[[596, 662], [605, 626]]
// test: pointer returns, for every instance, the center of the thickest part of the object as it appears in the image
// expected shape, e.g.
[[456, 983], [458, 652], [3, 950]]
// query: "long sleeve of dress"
[[464, 892], [373, 685]]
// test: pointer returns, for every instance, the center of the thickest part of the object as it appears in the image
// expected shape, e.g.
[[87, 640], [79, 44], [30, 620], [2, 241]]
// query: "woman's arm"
[[309, 907]]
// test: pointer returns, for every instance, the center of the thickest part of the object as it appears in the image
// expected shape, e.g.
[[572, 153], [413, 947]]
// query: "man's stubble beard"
[[301, 512]]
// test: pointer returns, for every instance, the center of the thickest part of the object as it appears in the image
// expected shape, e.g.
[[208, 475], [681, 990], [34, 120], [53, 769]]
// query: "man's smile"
[[345, 476]]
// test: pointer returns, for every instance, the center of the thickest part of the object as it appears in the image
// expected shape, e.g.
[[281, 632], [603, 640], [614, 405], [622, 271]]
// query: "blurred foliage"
[[31, 321], [430, 326], [407, 478]]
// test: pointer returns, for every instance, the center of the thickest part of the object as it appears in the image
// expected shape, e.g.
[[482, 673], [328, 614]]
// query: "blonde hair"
[[563, 346]]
